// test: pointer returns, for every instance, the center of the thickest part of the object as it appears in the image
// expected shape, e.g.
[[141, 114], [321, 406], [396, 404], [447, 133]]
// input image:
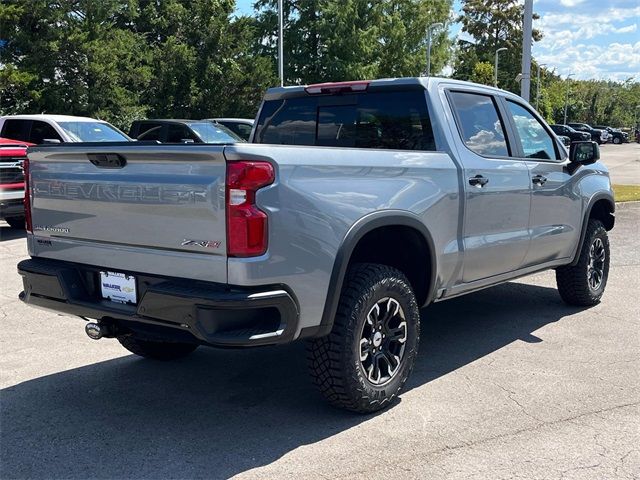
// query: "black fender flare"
[[357, 231], [585, 221]]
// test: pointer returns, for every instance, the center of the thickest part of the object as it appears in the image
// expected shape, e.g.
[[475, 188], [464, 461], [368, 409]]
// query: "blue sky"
[[596, 39]]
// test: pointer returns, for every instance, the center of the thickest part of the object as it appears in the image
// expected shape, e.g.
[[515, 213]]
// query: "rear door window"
[[16, 129], [479, 124], [383, 120], [41, 131]]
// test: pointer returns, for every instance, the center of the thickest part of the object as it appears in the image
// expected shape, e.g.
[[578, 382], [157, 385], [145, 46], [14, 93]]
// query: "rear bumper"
[[167, 308]]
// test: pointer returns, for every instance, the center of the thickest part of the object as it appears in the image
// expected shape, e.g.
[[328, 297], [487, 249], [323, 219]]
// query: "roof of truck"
[[55, 118], [405, 82]]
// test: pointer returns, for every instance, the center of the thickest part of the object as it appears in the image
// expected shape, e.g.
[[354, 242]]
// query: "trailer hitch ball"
[[94, 330]]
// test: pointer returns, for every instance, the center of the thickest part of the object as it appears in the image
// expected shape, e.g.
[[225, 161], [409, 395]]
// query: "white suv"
[[58, 128]]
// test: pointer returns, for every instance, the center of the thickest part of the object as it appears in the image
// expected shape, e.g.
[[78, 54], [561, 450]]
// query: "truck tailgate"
[[156, 209]]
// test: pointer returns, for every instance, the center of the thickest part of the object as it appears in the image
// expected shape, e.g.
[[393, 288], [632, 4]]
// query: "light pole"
[[280, 46], [566, 98], [538, 86], [430, 29], [527, 39], [495, 66]]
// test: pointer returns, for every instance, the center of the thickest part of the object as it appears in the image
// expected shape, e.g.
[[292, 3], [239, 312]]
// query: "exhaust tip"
[[94, 330]]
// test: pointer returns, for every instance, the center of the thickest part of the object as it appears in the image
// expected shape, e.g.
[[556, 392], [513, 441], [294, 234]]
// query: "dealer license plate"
[[118, 287]]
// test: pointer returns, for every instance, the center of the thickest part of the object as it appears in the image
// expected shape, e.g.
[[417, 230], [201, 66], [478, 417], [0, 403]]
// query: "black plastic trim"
[[363, 226], [585, 221], [208, 313]]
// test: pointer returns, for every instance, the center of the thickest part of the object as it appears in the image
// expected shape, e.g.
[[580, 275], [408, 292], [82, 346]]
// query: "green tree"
[[330, 40], [482, 73], [68, 57]]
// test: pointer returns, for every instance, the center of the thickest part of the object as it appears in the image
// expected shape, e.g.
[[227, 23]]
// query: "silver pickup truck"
[[355, 205]]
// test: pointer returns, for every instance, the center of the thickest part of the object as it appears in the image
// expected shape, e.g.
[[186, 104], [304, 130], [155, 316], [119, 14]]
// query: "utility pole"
[[280, 44], [566, 98], [527, 39], [495, 66], [430, 29], [538, 86]]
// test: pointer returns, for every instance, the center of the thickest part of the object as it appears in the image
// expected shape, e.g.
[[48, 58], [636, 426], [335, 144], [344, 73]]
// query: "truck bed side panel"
[[321, 192]]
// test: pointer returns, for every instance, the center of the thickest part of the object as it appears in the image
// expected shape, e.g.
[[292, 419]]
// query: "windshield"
[[213, 133], [92, 132]]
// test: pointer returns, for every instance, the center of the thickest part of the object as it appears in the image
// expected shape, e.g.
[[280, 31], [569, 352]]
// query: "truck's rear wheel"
[[583, 284], [366, 359], [154, 349]]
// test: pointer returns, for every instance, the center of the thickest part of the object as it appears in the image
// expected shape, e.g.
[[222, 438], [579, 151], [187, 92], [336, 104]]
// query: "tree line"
[[121, 60]]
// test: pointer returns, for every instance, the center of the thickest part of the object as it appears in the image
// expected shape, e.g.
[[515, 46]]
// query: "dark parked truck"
[[356, 205]]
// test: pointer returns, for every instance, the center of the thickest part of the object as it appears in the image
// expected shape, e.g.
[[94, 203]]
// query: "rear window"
[[385, 120]]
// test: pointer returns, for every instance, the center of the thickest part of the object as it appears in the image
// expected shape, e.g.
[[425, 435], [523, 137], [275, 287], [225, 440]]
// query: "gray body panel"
[[480, 236]]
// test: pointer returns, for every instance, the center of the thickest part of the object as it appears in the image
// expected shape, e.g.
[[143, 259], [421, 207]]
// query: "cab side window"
[[479, 124], [149, 131], [179, 133], [536, 142], [16, 129], [41, 131]]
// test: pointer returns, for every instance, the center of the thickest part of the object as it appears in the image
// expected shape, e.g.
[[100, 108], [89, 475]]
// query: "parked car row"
[[579, 132], [39, 129]]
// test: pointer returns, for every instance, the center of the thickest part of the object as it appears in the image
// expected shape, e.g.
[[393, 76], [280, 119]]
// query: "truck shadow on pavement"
[[8, 233], [222, 412]]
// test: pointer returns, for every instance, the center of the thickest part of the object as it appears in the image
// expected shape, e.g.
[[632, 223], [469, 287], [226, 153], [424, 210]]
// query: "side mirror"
[[584, 153], [50, 140]]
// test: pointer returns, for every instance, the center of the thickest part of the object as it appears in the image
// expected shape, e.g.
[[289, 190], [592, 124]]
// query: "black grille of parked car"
[[11, 170]]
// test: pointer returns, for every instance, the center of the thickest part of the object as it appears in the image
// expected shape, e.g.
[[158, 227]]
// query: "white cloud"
[[571, 3], [591, 46]]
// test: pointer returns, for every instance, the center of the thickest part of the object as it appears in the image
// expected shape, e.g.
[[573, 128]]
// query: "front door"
[[555, 201], [497, 189]]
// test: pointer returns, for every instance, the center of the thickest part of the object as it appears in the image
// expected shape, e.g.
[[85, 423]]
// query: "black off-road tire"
[[573, 281], [15, 222], [156, 350], [617, 140], [335, 360]]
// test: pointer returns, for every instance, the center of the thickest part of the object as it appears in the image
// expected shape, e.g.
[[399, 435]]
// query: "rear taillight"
[[27, 196], [246, 223]]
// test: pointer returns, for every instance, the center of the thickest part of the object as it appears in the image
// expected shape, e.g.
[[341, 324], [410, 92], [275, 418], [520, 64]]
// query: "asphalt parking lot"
[[623, 162], [509, 383]]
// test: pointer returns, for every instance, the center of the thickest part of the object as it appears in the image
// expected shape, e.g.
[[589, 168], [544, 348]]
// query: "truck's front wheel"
[[156, 350], [366, 359], [583, 284]]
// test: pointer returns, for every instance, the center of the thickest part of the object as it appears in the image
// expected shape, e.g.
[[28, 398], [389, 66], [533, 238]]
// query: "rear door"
[[497, 188], [159, 210], [555, 207]]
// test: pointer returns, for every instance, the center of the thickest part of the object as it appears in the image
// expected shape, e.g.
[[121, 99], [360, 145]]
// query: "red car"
[[12, 154]]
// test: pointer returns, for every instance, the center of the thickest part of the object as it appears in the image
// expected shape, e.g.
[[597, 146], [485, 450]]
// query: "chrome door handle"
[[539, 180], [478, 181]]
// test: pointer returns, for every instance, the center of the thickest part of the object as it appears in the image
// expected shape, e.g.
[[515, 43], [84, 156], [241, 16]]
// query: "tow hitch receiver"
[[98, 330]]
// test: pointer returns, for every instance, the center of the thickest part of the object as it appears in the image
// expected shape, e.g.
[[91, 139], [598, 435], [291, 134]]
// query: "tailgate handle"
[[107, 160]]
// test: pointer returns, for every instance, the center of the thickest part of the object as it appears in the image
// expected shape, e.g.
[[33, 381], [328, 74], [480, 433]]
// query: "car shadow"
[[222, 412], [9, 233]]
